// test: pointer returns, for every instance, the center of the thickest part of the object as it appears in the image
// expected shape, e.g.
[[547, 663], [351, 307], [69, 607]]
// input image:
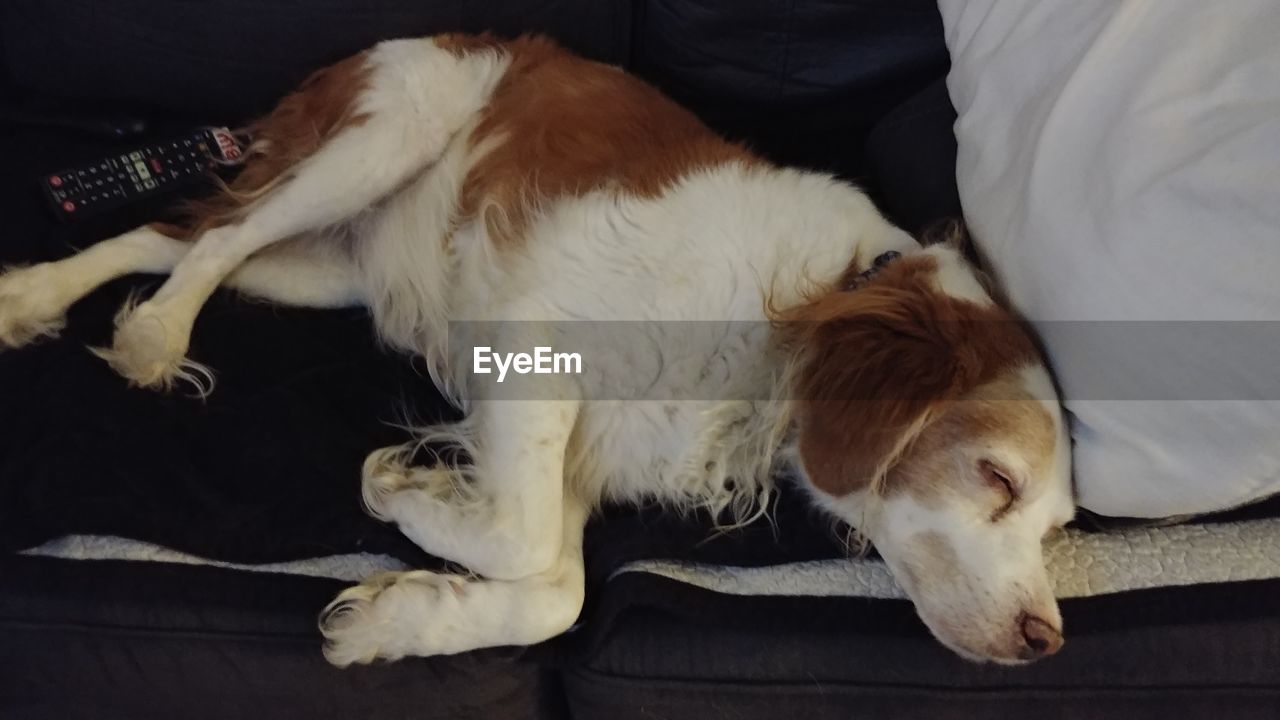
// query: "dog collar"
[[877, 265]]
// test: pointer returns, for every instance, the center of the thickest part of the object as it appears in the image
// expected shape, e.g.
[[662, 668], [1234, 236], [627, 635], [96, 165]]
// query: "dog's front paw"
[[30, 306], [394, 615], [150, 350]]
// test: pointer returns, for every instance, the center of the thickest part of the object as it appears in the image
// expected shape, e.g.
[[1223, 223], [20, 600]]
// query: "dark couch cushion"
[[676, 651], [232, 59], [911, 155], [83, 640], [804, 81]]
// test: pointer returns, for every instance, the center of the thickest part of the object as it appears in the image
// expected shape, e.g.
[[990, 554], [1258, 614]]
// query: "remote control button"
[[55, 181], [69, 206]]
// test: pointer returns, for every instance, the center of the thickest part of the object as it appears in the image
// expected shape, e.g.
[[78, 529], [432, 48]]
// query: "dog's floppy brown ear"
[[874, 363]]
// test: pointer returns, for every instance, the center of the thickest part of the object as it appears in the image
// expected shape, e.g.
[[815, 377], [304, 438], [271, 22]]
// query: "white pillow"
[[1120, 168]]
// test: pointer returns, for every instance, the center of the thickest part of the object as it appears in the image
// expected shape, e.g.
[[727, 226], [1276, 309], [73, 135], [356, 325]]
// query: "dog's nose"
[[1041, 638]]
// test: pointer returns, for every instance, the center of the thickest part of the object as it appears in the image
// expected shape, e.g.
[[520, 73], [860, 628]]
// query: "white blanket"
[[1080, 564]]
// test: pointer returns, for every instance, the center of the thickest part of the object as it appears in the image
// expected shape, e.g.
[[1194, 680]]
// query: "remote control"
[[129, 176]]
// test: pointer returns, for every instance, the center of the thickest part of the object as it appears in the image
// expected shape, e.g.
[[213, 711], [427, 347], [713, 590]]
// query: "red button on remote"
[[55, 181], [155, 165], [69, 206]]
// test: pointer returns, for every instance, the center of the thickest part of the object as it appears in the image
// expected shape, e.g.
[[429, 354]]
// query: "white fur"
[[954, 278], [699, 417], [33, 300], [415, 613]]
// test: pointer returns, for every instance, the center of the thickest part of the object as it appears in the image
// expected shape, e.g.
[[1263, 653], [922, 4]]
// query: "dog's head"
[[926, 420]]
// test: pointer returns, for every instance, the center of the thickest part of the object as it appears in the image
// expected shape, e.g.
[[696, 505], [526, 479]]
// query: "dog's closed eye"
[[1000, 479]]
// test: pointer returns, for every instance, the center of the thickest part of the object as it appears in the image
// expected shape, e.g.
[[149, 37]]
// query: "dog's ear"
[[873, 365]]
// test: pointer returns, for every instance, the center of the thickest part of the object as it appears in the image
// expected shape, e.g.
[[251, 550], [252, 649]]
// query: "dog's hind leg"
[[421, 613], [383, 118], [500, 516], [309, 272], [33, 300]]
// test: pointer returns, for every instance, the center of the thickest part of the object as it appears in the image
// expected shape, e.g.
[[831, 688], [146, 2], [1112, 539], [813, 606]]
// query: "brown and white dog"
[[462, 178]]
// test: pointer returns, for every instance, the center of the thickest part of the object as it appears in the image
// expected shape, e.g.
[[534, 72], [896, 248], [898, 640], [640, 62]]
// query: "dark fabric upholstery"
[[150, 641], [911, 158], [231, 59], [680, 652], [802, 81]]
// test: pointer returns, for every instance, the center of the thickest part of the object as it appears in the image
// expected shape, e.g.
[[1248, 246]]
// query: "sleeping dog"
[[506, 190]]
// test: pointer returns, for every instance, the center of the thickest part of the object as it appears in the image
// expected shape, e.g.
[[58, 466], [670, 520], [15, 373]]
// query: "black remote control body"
[[118, 180]]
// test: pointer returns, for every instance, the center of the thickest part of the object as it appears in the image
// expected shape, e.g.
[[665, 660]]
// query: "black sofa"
[[853, 87]]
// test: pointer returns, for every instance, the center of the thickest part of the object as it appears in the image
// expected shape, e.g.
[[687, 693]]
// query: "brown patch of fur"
[[171, 230], [322, 106], [879, 363], [564, 125]]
